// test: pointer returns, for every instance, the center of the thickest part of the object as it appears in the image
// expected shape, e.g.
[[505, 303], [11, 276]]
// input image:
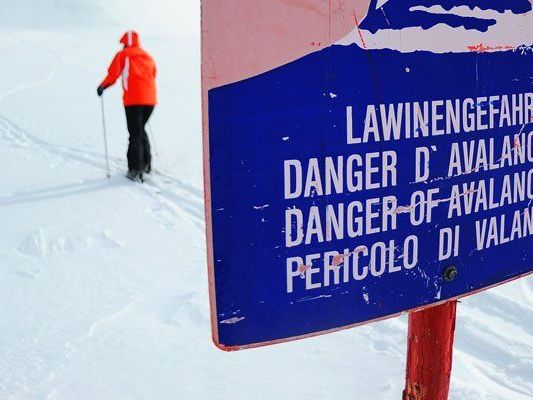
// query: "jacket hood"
[[130, 39]]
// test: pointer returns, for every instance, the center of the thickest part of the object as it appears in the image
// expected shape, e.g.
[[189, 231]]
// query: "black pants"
[[139, 156]]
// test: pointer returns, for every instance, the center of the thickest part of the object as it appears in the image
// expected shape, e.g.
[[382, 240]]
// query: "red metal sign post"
[[429, 353]]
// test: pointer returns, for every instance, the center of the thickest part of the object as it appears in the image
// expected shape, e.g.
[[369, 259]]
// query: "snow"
[[103, 282]]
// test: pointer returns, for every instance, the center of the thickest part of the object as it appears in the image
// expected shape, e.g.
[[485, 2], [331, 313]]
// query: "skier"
[[138, 71]]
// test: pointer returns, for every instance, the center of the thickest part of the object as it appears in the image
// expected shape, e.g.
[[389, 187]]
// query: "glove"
[[100, 90]]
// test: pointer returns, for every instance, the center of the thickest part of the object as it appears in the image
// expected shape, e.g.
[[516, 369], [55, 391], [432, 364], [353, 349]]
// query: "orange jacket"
[[138, 72]]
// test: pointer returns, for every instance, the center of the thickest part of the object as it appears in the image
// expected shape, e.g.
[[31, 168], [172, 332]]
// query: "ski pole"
[[105, 138], [156, 150]]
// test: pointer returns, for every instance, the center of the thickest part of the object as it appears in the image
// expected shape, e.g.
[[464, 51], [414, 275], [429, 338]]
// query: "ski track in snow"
[[39, 82], [173, 194]]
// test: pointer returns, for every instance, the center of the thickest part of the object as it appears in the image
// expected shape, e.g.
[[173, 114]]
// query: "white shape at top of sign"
[[380, 3]]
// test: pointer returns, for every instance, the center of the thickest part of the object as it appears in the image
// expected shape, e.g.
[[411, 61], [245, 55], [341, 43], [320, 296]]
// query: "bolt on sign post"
[[364, 159]]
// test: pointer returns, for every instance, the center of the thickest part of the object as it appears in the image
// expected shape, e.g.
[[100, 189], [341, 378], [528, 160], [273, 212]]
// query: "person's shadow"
[[399, 14]]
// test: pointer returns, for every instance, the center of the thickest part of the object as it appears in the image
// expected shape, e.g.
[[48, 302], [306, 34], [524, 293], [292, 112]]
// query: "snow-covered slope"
[[103, 282]]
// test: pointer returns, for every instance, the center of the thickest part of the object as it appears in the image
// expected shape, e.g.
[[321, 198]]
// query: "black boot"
[[136, 176]]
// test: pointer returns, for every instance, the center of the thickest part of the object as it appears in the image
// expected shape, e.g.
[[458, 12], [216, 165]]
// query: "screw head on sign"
[[450, 273]]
